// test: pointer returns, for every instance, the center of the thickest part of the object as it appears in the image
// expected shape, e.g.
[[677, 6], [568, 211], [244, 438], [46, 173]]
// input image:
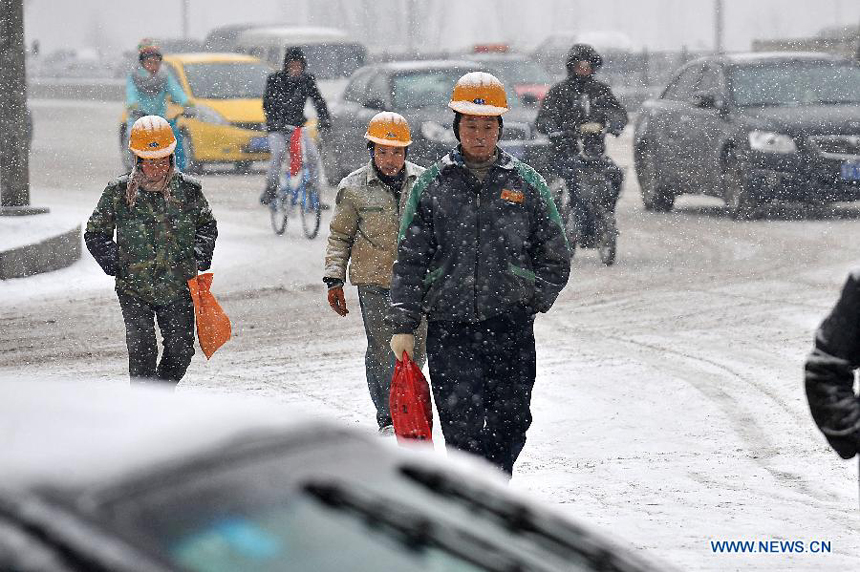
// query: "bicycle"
[[296, 189]]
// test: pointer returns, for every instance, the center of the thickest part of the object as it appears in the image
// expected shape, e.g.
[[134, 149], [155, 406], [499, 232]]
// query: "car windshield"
[[517, 72], [330, 61], [795, 83], [227, 80], [262, 515], [431, 88]]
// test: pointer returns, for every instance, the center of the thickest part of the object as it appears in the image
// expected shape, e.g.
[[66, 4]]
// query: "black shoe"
[[324, 206], [267, 197]]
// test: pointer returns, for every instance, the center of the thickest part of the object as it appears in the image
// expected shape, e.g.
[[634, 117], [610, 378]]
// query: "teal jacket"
[[157, 104]]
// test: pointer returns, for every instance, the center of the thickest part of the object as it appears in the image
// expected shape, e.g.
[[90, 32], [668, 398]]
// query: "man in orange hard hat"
[[363, 234], [481, 251], [165, 233]]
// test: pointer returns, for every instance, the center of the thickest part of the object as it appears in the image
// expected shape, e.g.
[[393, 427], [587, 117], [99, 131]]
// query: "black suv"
[[752, 128]]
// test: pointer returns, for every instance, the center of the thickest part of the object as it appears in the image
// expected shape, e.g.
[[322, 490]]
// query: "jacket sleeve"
[[100, 230], [548, 247], [323, 117], [177, 94], [205, 234], [342, 229], [829, 373], [269, 97], [416, 246], [132, 99], [616, 115], [548, 120]]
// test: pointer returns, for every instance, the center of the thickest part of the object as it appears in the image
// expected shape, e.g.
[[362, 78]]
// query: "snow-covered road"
[[669, 407]]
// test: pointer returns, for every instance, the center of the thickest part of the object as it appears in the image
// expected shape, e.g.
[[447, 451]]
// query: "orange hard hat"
[[388, 128], [151, 138], [479, 93]]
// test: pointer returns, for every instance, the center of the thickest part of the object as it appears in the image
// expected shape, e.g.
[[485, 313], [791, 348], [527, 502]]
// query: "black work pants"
[[482, 376], [176, 322]]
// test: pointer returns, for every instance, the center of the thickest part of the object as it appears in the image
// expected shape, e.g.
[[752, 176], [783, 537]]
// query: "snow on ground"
[[668, 411]]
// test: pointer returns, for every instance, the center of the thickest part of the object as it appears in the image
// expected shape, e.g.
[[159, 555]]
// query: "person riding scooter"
[[580, 110]]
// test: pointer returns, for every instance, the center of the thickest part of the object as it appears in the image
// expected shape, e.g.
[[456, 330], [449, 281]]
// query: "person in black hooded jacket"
[[283, 104], [830, 372]]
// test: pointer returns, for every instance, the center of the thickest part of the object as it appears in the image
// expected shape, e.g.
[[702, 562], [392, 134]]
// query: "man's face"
[[478, 136], [295, 68], [155, 168], [582, 68], [388, 159], [152, 64]]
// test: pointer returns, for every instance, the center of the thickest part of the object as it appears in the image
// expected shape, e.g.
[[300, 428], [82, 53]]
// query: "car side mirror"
[[374, 104], [707, 100]]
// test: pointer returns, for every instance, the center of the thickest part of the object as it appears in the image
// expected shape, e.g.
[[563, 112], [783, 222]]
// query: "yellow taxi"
[[227, 124]]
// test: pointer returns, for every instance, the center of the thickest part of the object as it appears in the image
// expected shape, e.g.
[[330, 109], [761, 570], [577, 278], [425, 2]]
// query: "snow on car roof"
[[755, 57], [77, 433], [293, 34], [418, 65]]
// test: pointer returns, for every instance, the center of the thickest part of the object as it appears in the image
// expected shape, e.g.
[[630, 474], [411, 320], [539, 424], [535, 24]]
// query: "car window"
[[517, 71], [681, 89], [711, 80], [425, 88], [227, 80], [357, 88], [379, 89], [793, 83]]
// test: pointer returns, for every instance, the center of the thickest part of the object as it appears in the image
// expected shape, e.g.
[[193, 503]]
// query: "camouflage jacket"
[[158, 246]]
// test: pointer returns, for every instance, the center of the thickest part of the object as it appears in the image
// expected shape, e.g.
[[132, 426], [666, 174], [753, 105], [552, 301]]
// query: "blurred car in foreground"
[[528, 79], [753, 128], [107, 478], [227, 124], [420, 91]]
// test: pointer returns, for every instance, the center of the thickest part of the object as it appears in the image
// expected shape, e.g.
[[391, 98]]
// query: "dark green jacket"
[[472, 250], [158, 246]]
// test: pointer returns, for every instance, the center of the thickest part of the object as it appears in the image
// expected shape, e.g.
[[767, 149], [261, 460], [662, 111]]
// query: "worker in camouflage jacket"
[[165, 233]]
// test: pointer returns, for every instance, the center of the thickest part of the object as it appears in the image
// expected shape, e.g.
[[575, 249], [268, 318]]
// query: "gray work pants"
[[375, 302], [279, 149]]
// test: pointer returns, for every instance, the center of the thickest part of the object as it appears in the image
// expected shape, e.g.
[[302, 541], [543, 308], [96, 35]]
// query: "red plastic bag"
[[213, 325], [296, 152], [411, 411]]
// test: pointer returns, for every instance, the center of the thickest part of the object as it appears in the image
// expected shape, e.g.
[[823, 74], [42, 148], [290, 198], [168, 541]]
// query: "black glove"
[[203, 262], [333, 282]]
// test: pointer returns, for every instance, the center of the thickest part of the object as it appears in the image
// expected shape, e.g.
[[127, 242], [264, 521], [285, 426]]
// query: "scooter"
[[589, 217]]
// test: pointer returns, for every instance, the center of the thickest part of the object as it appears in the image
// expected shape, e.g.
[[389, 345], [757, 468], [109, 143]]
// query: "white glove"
[[403, 343], [591, 128]]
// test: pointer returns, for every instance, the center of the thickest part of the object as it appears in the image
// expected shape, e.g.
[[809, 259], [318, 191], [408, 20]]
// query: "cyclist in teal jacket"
[[146, 90]]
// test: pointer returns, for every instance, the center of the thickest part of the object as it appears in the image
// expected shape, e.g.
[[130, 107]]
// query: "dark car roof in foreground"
[[118, 443]]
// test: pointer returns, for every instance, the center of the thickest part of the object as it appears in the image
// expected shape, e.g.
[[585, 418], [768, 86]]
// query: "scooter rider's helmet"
[[583, 53], [389, 128], [151, 138]]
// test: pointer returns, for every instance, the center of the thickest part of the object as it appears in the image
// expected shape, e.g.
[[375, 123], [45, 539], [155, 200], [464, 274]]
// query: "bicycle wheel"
[[310, 211], [279, 209]]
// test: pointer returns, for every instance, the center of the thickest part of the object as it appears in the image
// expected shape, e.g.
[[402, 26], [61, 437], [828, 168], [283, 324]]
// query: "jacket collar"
[[455, 158], [412, 172]]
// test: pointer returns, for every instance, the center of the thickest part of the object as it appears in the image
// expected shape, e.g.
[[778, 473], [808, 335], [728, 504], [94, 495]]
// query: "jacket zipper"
[[477, 250]]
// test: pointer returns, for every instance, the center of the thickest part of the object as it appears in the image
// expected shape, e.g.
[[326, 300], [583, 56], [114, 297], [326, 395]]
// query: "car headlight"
[[438, 133], [769, 142], [206, 114]]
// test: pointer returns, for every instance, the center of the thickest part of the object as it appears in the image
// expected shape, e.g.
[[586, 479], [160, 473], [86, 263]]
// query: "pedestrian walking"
[[165, 233], [284, 100], [363, 235], [481, 251]]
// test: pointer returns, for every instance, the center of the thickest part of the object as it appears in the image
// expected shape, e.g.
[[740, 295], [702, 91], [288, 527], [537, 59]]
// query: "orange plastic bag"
[[411, 410], [213, 325]]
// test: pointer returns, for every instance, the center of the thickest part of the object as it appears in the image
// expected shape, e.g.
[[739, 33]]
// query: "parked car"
[[227, 124], [420, 91], [525, 76], [101, 477], [753, 128]]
